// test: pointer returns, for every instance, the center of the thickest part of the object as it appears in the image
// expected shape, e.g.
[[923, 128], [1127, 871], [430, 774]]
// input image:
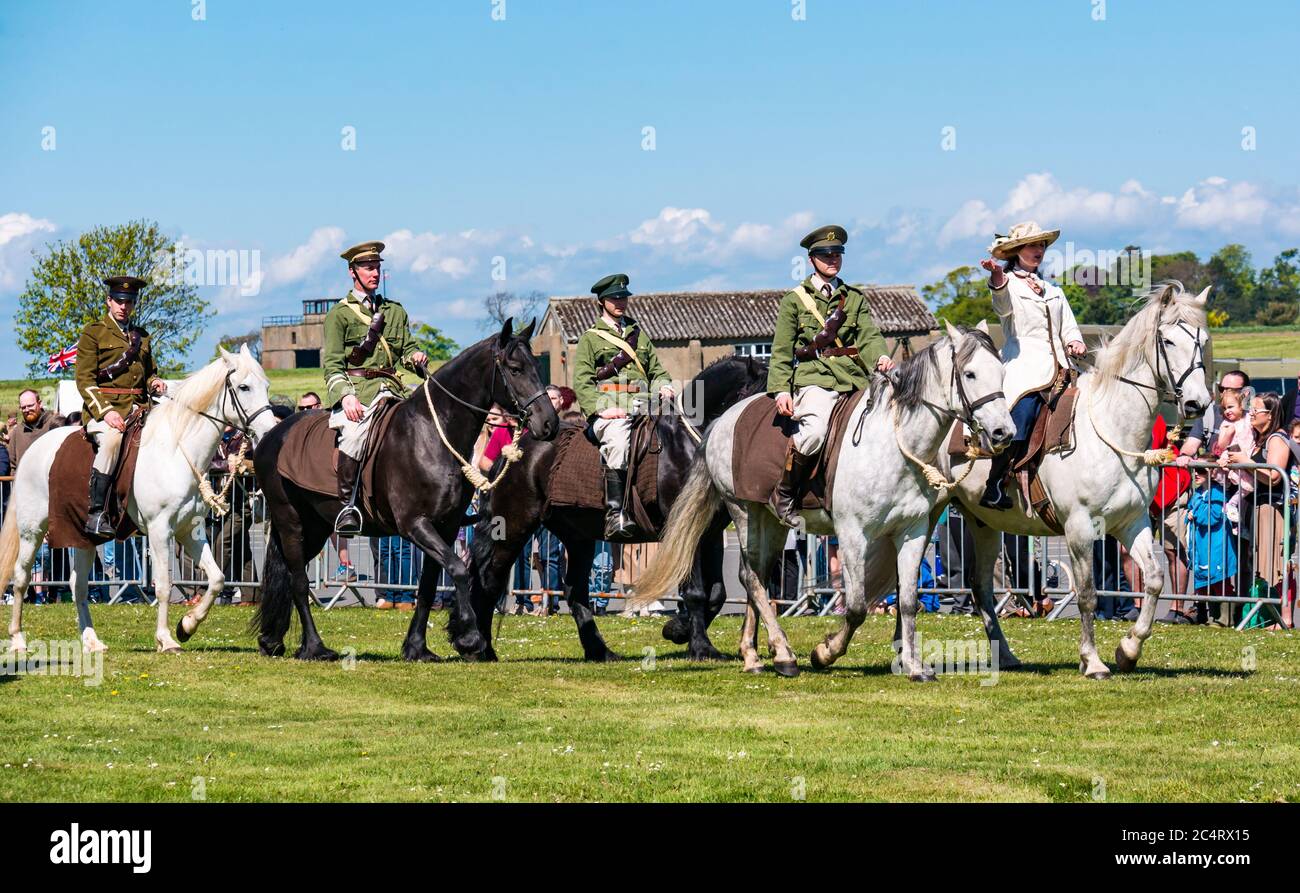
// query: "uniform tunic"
[[594, 352], [816, 384], [346, 326], [102, 343]]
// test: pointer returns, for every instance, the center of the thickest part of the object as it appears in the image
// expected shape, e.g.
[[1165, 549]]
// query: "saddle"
[[70, 486], [1052, 432], [762, 438], [577, 481], [309, 456]]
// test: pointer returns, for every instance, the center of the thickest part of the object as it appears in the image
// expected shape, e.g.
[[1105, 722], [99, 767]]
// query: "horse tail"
[[275, 610], [692, 513], [9, 540]]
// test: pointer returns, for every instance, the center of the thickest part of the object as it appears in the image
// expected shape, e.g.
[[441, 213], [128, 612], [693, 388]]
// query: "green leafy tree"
[[1278, 291], [233, 343], [65, 291], [1183, 266], [1233, 280], [961, 298], [437, 345]]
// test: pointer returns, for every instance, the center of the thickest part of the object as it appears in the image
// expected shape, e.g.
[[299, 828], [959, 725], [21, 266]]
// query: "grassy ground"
[[1192, 724], [1257, 342]]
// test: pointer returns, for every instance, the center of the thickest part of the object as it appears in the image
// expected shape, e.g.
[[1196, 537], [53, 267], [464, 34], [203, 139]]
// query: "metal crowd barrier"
[[1195, 535]]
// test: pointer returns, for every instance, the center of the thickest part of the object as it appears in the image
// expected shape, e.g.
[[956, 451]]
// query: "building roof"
[[739, 315]]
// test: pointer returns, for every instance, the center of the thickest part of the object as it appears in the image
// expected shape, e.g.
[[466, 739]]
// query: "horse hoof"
[[923, 677], [817, 660], [788, 669], [422, 655], [470, 645], [705, 653], [181, 634], [1124, 663], [269, 648], [1009, 663], [320, 652], [605, 656], [1099, 675], [675, 631], [754, 670], [171, 649]]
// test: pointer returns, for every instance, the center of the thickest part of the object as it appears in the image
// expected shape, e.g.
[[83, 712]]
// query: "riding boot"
[[348, 522], [786, 498], [619, 528], [97, 523], [996, 493]]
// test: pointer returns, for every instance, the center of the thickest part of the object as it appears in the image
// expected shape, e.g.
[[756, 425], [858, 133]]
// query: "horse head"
[[519, 387], [245, 402], [975, 395]]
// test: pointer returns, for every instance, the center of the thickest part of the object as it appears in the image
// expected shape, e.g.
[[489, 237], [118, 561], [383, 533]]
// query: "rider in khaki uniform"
[[115, 373], [614, 368], [825, 344], [366, 337]]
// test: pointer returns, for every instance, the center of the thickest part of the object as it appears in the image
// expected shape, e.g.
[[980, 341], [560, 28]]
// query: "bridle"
[[521, 409], [1165, 386], [245, 425]]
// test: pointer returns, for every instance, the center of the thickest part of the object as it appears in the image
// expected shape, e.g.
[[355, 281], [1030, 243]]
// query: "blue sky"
[[522, 138]]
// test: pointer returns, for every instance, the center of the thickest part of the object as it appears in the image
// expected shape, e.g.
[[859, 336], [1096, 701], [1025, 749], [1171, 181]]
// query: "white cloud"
[[675, 226], [324, 243], [19, 233]]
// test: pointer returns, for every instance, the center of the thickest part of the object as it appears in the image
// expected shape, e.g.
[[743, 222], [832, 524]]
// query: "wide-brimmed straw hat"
[[1021, 234]]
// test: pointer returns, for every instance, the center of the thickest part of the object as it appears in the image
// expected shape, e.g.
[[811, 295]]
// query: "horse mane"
[[1167, 303], [192, 396], [914, 372]]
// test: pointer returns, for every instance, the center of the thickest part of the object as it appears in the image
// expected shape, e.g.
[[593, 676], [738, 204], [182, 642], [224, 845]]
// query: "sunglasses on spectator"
[[301, 406]]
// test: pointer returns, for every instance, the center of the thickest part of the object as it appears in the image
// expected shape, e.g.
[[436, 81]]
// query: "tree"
[[503, 305], [1233, 281], [66, 290], [961, 298], [435, 344], [232, 343], [1184, 267], [1278, 291]]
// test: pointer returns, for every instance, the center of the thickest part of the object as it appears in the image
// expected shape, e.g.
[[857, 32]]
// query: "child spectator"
[[1213, 553], [1236, 437]]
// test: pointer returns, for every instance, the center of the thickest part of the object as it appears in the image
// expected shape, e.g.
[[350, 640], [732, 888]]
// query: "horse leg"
[[766, 536], [462, 627], [853, 564], [988, 543], [22, 577], [749, 629], [196, 545], [83, 560], [577, 577], [414, 647], [1079, 536], [707, 593], [1141, 546], [493, 565], [911, 549], [159, 541], [296, 555]]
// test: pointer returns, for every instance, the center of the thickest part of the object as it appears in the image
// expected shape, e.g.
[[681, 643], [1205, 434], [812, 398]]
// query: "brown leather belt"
[[135, 392], [630, 387], [373, 373], [837, 352]]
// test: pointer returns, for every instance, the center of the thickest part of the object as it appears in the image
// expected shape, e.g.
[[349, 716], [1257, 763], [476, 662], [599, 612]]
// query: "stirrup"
[[349, 521], [98, 524]]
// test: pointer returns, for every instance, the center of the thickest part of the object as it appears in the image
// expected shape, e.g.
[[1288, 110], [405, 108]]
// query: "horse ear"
[[507, 329], [245, 352], [1203, 296], [982, 326], [527, 333], [227, 357], [952, 331]]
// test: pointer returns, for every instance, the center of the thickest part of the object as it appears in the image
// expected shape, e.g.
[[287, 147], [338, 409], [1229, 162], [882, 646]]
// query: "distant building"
[[692, 329], [295, 342]]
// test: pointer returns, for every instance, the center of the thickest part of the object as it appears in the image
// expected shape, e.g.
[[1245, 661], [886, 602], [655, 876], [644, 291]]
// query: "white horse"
[[1106, 482], [884, 492], [180, 438]]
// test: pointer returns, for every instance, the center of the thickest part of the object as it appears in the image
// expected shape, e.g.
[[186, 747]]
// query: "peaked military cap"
[[612, 286], [126, 286], [825, 237], [363, 252]]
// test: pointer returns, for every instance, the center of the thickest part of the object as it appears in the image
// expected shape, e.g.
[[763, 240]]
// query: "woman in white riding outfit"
[[1041, 338]]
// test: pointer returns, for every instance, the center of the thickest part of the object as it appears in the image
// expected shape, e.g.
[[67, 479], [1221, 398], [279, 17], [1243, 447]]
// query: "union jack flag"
[[64, 359]]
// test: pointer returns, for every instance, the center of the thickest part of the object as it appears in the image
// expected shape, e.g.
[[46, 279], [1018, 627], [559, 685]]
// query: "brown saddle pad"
[[70, 490], [1052, 431], [757, 466], [309, 456], [576, 478]]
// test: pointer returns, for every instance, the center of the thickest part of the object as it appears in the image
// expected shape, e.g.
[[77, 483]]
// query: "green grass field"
[[1257, 342], [1192, 724]]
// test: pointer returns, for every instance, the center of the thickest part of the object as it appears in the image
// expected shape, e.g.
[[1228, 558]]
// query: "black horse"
[[419, 492], [520, 501]]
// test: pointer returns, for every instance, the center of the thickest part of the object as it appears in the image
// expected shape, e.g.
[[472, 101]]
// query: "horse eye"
[[1168, 343], [970, 375], [244, 387]]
